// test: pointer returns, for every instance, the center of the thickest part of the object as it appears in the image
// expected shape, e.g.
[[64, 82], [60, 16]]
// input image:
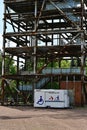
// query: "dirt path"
[[28, 118]]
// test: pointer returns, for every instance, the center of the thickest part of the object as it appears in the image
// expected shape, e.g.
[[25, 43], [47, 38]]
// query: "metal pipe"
[[82, 13], [35, 39], [42, 32], [40, 14], [4, 41], [82, 49]]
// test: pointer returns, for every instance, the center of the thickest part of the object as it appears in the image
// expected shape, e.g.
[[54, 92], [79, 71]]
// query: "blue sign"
[[40, 101]]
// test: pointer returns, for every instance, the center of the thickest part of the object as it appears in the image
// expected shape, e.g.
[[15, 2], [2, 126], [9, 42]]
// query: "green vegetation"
[[11, 68], [65, 64], [9, 65], [53, 85]]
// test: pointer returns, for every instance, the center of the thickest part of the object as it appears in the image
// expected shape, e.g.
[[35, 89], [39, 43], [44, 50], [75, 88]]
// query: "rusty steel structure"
[[37, 35]]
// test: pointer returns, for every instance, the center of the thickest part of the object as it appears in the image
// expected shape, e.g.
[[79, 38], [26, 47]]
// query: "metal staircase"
[[65, 8]]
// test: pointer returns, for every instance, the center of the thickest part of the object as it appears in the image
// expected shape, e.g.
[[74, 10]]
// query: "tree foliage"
[[9, 65], [65, 64]]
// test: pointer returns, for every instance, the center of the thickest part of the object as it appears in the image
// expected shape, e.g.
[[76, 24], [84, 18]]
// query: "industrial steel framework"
[[40, 33]]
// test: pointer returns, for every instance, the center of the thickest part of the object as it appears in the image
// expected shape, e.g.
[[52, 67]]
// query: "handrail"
[[61, 71]]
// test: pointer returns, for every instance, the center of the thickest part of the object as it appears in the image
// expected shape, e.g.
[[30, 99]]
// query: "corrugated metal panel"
[[76, 87], [61, 71], [68, 4], [25, 87]]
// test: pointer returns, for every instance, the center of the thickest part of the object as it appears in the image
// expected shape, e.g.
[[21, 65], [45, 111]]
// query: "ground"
[[29, 118]]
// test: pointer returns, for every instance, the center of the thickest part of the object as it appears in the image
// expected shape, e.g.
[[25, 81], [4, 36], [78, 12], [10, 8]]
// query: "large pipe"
[[35, 38], [4, 41]]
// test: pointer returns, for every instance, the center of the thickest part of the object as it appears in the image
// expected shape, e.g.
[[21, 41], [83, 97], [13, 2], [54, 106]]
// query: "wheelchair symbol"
[[40, 101]]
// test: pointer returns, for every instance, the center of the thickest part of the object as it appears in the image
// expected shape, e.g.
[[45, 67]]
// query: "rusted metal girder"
[[64, 15], [43, 32]]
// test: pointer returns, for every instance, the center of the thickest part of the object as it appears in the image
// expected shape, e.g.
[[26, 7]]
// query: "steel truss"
[[48, 31]]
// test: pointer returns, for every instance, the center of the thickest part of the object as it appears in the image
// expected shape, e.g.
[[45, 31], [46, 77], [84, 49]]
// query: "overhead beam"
[[16, 34]]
